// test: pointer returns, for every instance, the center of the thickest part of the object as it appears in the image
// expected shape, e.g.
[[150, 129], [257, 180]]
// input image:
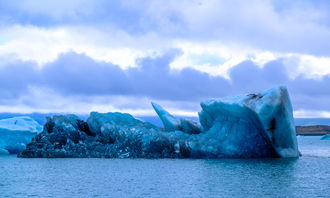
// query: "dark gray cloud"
[[16, 77], [312, 94], [247, 77], [78, 74], [75, 74]]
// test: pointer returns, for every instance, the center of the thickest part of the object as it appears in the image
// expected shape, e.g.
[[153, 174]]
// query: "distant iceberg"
[[16, 132], [247, 126], [325, 137]]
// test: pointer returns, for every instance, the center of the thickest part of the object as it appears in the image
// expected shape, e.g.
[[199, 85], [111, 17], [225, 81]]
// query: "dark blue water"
[[308, 176]]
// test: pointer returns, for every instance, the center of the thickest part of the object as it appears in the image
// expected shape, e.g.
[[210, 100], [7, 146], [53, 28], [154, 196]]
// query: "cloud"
[[76, 82], [265, 25], [16, 78], [75, 73], [42, 45], [83, 55], [121, 32], [287, 27], [306, 94], [78, 74]]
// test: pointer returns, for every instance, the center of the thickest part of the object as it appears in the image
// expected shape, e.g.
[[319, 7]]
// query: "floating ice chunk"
[[268, 113], [325, 137], [4, 152], [16, 132]]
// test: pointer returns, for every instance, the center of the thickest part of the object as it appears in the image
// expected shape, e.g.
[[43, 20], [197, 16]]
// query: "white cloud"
[[43, 45], [311, 67], [216, 58], [314, 67], [311, 114]]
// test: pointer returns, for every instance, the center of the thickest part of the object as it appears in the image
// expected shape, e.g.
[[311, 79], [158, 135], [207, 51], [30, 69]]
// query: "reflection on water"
[[256, 177], [303, 177]]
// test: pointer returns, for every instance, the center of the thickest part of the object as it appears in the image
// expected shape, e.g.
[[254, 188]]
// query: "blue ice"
[[246, 126], [16, 132]]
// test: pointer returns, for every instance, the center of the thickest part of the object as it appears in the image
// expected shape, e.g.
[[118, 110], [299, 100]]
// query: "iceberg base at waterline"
[[246, 126]]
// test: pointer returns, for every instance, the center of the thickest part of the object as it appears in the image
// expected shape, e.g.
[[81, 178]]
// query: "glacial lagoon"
[[307, 176]]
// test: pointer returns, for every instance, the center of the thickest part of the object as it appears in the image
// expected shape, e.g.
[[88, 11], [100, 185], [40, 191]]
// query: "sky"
[[78, 56]]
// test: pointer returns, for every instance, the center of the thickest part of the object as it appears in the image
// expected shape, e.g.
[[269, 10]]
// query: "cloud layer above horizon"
[[82, 56]]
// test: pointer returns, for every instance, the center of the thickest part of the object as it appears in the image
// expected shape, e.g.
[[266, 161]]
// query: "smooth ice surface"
[[247, 126], [16, 132], [21, 123], [169, 121], [325, 137], [268, 115]]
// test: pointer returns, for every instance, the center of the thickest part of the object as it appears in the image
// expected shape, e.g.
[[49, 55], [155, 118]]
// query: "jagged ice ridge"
[[246, 126]]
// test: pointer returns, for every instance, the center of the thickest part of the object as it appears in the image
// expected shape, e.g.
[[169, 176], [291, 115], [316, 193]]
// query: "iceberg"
[[4, 152], [325, 137], [16, 132], [246, 126]]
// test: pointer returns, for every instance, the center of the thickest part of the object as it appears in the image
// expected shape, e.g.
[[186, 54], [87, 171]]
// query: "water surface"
[[308, 176]]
